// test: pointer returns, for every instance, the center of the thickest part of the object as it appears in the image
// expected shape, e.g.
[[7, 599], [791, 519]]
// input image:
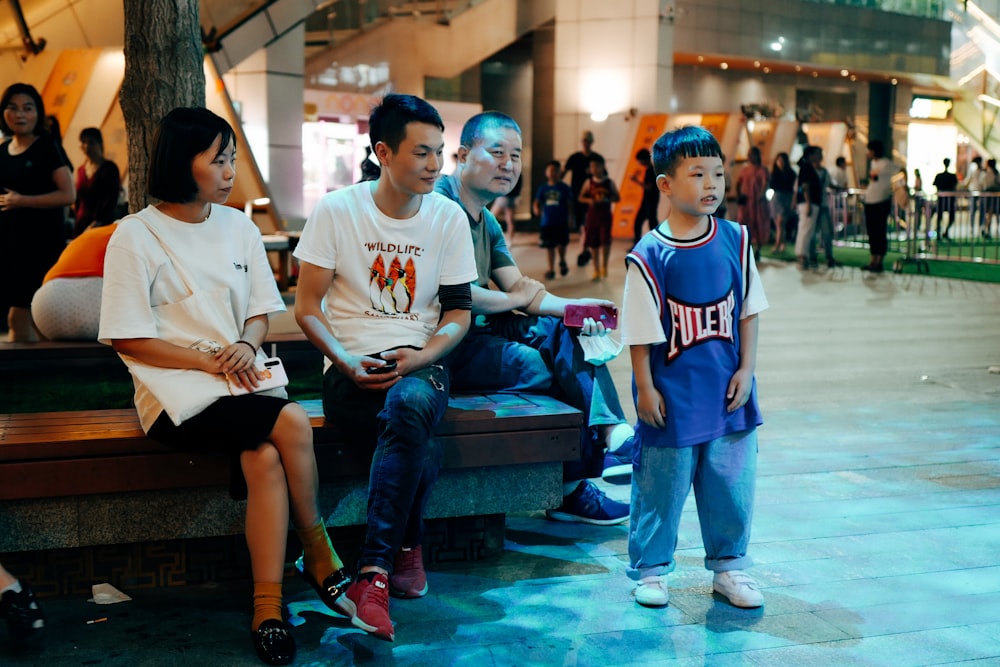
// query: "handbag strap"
[[185, 277]]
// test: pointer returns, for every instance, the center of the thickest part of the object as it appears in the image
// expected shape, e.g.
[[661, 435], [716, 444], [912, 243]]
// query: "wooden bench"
[[92, 477]]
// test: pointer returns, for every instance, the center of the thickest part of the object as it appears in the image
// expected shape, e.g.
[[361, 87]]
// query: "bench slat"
[[67, 434], [105, 451]]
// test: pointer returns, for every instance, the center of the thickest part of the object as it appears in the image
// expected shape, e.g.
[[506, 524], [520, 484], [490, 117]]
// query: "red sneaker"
[[408, 579], [371, 596]]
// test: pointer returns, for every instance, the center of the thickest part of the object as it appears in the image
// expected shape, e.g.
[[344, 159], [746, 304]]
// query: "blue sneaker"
[[588, 504], [618, 464]]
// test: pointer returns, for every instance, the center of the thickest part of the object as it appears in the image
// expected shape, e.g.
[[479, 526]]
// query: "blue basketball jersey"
[[699, 286]]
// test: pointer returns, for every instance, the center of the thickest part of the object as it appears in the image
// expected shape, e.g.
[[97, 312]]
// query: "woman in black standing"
[[35, 187], [783, 186]]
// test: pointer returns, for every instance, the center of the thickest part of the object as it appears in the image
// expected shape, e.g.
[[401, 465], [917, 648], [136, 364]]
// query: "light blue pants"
[[723, 473]]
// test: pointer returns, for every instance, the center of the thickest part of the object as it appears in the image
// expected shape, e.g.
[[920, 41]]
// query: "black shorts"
[[231, 425], [553, 236]]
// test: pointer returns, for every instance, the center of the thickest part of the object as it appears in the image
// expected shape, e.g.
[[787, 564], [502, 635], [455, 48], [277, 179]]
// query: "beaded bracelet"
[[246, 342]]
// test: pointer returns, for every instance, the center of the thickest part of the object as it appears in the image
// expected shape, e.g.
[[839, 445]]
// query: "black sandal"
[[274, 642]]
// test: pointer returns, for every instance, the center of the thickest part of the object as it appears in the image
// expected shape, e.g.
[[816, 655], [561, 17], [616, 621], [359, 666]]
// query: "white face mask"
[[599, 350]]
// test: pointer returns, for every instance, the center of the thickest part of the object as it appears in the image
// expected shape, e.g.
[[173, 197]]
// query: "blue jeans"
[[723, 472], [824, 232], [399, 424], [540, 354]]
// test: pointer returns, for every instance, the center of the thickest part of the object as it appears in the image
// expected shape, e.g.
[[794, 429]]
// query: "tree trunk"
[[164, 69]]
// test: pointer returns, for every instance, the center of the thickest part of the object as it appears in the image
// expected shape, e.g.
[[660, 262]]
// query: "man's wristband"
[[248, 343]]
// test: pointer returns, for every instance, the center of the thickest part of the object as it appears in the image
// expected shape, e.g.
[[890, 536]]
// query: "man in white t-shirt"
[[384, 293]]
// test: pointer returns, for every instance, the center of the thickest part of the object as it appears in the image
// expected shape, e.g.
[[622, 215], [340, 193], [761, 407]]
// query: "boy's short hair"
[[599, 159], [92, 134], [388, 120], [682, 143], [30, 91], [477, 126], [183, 133], [554, 163]]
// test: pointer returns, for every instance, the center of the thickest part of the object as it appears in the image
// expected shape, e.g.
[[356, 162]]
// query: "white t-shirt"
[[387, 272], [226, 250], [880, 189]]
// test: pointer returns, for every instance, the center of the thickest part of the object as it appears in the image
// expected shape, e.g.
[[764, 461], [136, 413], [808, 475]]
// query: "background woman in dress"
[[98, 184], [783, 186], [35, 187], [751, 192]]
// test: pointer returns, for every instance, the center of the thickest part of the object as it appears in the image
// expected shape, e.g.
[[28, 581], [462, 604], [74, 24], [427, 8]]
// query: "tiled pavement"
[[876, 536]]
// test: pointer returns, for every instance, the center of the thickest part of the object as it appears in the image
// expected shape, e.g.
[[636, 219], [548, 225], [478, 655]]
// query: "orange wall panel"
[[648, 130], [67, 83]]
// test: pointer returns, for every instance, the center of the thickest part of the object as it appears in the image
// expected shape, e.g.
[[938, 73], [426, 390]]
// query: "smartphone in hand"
[[274, 377], [575, 314], [390, 365]]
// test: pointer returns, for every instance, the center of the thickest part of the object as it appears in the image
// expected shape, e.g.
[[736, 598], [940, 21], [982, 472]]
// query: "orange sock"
[[266, 603], [318, 554]]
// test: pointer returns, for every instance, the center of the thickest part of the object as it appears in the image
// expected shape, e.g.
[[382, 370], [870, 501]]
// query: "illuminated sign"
[[935, 108]]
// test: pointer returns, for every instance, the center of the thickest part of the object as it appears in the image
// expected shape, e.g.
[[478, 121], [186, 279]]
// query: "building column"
[[269, 89], [881, 109], [610, 58]]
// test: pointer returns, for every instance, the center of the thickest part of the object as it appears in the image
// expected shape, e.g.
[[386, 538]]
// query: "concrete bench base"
[[75, 479], [172, 514]]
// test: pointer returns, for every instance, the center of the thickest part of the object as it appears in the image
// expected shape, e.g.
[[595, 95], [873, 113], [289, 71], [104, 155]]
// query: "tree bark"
[[164, 69]]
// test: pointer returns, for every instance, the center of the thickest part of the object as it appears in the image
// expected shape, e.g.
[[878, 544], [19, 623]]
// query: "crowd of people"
[[408, 288]]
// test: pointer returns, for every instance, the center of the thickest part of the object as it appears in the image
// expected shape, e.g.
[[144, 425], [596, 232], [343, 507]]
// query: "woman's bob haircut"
[[183, 134]]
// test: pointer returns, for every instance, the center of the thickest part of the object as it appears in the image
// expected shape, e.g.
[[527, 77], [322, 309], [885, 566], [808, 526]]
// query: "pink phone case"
[[576, 314]]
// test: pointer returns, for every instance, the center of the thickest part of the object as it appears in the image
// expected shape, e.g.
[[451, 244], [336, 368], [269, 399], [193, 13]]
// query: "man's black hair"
[[390, 117]]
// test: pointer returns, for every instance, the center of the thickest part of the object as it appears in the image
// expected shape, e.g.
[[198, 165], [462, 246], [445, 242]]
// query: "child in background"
[[552, 205], [599, 193], [692, 294]]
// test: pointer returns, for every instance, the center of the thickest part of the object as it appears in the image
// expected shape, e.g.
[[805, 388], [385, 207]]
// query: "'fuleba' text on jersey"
[[692, 324]]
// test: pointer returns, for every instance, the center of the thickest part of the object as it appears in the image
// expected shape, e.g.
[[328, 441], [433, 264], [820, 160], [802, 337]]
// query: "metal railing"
[[954, 226]]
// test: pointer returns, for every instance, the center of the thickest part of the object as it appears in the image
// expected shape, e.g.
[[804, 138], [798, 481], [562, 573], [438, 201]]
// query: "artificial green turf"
[[858, 257]]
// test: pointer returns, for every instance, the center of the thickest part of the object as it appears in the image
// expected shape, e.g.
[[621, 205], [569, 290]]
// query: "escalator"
[[432, 38], [446, 34], [975, 69]]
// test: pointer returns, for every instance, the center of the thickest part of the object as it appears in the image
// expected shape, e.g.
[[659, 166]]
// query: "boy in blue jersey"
[[692, 294], [552, 205]]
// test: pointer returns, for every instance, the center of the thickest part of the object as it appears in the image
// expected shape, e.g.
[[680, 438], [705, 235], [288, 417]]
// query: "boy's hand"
[[651, 408], [739, 389]]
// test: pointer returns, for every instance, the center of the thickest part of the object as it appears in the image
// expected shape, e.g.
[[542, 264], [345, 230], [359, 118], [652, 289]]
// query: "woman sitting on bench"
[[191, 269]]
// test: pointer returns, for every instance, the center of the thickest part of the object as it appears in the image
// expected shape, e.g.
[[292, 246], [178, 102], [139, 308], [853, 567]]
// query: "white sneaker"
[[652, 592], [739, 588]]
